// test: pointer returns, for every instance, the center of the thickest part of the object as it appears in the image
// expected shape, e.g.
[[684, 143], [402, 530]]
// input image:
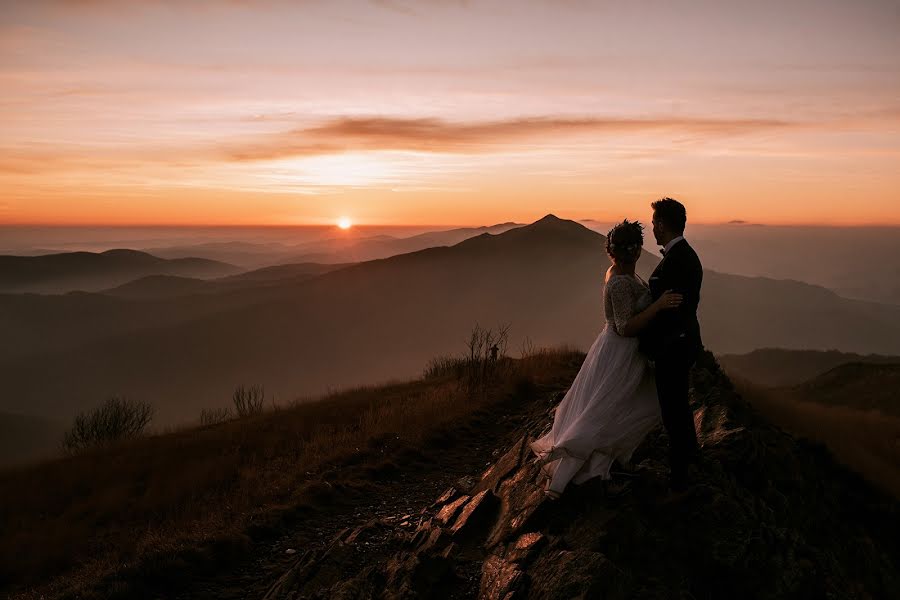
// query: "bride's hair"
[[625, 240]]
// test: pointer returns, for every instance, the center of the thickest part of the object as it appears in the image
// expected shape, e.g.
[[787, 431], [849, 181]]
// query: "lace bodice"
[[623, 297]]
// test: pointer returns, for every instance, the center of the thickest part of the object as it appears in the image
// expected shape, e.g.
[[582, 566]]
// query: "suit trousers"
[[673, 370]]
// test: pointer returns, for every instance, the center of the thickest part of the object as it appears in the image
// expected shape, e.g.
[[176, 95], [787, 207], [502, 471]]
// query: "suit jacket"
[[675, 330]]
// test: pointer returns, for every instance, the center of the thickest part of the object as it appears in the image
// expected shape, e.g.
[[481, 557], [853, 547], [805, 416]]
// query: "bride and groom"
[[638, 368]]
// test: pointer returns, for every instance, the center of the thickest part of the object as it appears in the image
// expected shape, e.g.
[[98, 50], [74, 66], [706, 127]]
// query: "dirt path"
[[463, 449]]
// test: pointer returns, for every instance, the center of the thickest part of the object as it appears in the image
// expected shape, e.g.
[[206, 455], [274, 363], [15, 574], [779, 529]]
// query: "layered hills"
[[328, 250], [375, 320], [93, 271], [853, 408], [778, 367], [856, 385]]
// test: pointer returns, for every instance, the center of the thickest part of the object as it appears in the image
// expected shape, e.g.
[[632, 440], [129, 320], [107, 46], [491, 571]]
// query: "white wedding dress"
[[612, 404]]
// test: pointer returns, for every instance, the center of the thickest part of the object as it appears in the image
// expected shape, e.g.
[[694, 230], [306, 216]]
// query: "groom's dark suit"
[[672, 341]]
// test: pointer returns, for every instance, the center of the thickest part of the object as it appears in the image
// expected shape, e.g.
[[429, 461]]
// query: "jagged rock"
[[506, 464], [450, 510], [448, 494], [768, 517], [526, 547], [476, 514], [520, 499], [500, 579], [437, 540]]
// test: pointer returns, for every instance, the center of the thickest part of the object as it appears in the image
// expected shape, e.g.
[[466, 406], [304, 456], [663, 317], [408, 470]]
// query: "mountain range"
[[94, 271], [329, 250], [375, 321]]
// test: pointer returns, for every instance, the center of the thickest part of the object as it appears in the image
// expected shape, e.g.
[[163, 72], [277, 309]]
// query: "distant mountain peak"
[[549, 218], [553, 224]]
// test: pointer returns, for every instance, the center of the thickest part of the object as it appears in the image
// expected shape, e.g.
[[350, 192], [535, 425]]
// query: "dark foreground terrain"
[[769, 517], [454, 512]]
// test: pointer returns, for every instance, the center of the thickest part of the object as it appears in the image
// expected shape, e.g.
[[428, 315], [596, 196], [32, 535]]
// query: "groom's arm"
[[683, 277], [687, 279]]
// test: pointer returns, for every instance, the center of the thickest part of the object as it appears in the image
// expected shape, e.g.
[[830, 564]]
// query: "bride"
[[612, 403]]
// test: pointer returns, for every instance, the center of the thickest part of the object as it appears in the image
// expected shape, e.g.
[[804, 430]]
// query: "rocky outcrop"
[[768, 517]]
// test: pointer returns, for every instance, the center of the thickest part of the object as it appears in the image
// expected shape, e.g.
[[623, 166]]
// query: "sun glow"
[[345, 223], [352, 169]]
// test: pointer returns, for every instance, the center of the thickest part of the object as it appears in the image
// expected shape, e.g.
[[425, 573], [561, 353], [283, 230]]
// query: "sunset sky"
[[442, 112]]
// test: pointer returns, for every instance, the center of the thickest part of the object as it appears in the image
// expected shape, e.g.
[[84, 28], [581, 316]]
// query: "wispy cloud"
[[436, 135]]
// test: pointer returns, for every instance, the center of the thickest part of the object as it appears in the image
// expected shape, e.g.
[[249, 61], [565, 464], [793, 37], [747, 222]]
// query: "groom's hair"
[[625, 240], [672, 213]]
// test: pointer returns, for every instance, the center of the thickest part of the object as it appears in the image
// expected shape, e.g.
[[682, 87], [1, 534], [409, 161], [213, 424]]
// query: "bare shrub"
[[527, 347], [484, 359], [213, 416], [248, 401], [116, 419]]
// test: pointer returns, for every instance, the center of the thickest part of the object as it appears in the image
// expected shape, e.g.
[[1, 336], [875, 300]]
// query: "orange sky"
[[441, 112]]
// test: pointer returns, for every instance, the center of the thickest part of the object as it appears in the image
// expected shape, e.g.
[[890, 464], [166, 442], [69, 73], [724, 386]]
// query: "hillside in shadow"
[[855, 385], [148, 516], [853, 408], [770, 517], [428, 496], [775, 367]]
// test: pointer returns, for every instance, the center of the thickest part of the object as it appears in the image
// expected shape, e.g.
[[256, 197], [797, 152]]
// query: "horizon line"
[[733, 223]]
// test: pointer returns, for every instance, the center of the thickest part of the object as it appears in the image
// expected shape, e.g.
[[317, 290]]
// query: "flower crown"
[[629, 248]]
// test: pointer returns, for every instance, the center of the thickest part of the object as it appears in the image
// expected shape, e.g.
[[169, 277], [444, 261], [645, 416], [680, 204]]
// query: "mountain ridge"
[[380, 317], [93, 271]]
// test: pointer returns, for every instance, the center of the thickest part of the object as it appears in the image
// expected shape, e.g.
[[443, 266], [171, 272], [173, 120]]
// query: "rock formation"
[[769, 517]]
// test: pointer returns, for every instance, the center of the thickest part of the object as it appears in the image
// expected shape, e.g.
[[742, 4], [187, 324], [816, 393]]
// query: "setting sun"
[[345, 223]]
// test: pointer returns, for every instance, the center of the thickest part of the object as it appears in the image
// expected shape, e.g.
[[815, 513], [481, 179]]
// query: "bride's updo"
[[625, 241]]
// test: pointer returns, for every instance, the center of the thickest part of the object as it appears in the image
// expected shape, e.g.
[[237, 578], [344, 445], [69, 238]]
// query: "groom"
[[672, 340]]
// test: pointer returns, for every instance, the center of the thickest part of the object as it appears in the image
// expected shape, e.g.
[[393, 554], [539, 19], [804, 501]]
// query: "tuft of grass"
[[70, 522], [214, 416]]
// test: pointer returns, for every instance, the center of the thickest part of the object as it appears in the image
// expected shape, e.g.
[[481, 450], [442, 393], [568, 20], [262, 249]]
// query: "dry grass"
[[867, 441], [69, 522]]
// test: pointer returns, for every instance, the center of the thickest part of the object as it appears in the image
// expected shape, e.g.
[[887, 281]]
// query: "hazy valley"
[[300, 331]]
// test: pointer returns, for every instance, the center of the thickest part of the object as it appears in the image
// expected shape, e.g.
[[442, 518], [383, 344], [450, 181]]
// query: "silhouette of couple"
[[638, 368]]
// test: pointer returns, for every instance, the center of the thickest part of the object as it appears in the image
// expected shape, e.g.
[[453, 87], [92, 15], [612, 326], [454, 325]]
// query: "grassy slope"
[[864, 440], [71, 522], [847, 401]]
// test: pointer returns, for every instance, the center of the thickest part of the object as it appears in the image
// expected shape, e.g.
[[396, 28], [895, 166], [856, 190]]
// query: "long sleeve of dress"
[[620, 302]]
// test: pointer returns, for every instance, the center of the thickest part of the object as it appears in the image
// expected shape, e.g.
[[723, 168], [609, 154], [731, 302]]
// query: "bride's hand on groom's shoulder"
[[668, 301]]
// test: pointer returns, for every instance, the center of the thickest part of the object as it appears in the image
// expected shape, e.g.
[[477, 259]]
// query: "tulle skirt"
[[610, 408]]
